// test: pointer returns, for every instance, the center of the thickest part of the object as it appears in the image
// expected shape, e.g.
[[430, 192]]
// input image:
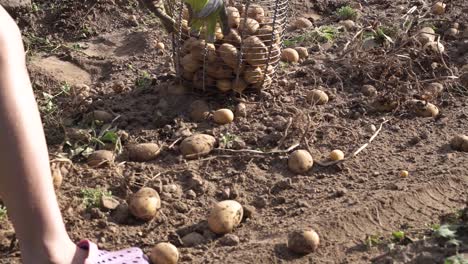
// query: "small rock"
[[193, 239], [371, 128], [109, 203], [260, 202], [241, 110], [229, 240], [369, 44]]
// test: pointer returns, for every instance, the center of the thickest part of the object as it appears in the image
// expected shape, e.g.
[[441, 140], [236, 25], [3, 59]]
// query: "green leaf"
[[110, 137], [445, 232], [398, 235]]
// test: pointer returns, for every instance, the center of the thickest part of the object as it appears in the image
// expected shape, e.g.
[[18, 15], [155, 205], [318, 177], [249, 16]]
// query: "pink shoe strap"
[[125, 256]]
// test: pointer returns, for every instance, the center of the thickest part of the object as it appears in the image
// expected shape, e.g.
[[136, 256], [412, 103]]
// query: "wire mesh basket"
[[246, 58]]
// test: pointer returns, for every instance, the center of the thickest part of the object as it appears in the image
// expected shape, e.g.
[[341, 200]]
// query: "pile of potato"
[[222, 61]]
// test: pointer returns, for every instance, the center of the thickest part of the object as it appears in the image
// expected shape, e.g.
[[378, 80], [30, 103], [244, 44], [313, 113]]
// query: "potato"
[[145, 204], [224, 85], [256, 52], [143, 152], [198, 80], [300, 161], [438, 8], [160, 46], [223, 116], [229, 54], [424, 109], [187, 45], [233, 17], [239, 85], [348, 24], [303, 242], [219, 71], [425, 35], [101, 116], [290, 55], [302, 23], [253, 75], [336, 155], [404, 173], [265, 33], [256, 12], [57, 177], [317, 96], [197, 145], [432, 91], [248, 26], [451, 32], [100, 158], [434, 47], [164, 253], [241, 110], [460, 143], [225, 216], [303, 52], [219, 33], [233, 38], [199, 110], [190, 63], [198, 51]]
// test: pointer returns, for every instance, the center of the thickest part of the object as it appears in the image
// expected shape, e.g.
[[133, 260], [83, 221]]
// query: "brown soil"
[[111, 46]]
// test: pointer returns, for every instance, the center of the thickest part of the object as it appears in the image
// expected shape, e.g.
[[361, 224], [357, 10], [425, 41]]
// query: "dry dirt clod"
[[303, 242], [143, 152], [109, 203], [241, 110], [229, 240], [348, 24], [100, 158], [460, 143], [368, 90], [193, 239], [101, 116]]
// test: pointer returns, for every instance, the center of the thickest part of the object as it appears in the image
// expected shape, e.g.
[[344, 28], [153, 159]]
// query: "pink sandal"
[[125, 256]]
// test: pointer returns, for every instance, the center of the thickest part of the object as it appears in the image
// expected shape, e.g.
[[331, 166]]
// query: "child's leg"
[[25, 179]]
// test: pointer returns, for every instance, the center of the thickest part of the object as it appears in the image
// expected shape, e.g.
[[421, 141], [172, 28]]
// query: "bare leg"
[[25, 180]]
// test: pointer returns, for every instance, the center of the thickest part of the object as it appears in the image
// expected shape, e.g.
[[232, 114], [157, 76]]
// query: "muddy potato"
[[198, 51], [233, 17], [368, 90], [219, 70], [190, 63], [460, 143], [300, 161], [248, 26], [302, 23], [100, 158], [145, 204], [434, 47], [198, 80], [348, 24], [239, 85], [187, 46], [303, 52], [57, 177], [143, 152], [336, 155], [438, 8], [229, 54], [241, 110], [290, 55], [223, 116], [101, 116], [256, 53], [425, 35], [225, 216], [160, 46], [303, 242], [233, 38], [317, 96], [432, 91], [197, 145], [256, 12], [199, 110], [224, 85], [164, 253], [424, 109], [265, 33], [253, 74]]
